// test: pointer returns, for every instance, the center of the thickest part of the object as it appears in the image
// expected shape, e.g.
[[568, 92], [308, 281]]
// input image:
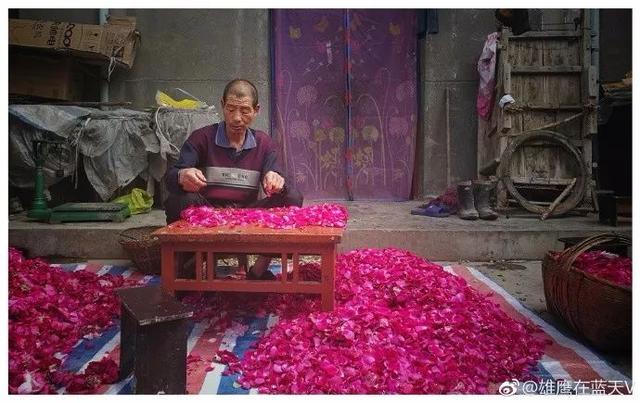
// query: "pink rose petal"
[[50, 310], [324, 215], [401, 325]]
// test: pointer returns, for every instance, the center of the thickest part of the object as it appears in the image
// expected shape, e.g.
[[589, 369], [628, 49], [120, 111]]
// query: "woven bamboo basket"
[[596, 309], [143, 248]]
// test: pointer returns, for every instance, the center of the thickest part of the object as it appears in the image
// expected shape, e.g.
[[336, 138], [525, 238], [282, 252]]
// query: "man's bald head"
[[241, 88]]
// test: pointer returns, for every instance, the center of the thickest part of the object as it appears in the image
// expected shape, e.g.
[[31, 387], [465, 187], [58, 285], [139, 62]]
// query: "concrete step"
[[371, 225]]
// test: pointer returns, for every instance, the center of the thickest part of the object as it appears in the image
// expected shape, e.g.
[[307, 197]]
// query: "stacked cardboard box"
[[46, 76], [117, 39], [53, 69]]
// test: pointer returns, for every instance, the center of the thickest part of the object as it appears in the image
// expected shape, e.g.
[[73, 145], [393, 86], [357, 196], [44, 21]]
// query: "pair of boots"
[[473, 200]]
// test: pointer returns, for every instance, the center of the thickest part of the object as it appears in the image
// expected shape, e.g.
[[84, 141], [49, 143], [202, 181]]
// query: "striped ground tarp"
[[565, 360]]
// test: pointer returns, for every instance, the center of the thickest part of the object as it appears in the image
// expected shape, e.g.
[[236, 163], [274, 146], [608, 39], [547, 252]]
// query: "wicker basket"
[[596, 309], [142, 248]]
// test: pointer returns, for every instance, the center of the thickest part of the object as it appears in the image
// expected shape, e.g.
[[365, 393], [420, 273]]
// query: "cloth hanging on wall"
[[345, 99], [487, 73]]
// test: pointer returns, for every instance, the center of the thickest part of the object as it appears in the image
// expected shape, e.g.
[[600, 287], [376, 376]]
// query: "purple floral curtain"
[[345, 101]]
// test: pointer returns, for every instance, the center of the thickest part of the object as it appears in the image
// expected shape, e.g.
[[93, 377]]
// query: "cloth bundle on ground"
[[442, 206]]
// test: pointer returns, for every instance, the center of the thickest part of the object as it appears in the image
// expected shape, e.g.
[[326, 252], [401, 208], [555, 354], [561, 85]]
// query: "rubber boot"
[[481, 195], [466, 206]]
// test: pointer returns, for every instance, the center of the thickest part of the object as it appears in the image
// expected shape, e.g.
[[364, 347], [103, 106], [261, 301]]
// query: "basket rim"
[[128, 237], [591, 276]]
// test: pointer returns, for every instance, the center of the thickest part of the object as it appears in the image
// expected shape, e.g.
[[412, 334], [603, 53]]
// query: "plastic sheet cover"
[[116, 146]]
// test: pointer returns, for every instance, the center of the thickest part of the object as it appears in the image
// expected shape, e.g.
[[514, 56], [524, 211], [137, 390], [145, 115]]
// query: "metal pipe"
[[103, 15]]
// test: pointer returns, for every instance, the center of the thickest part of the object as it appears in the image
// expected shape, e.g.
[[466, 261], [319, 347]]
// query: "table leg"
[[168, 269], [328, 280]]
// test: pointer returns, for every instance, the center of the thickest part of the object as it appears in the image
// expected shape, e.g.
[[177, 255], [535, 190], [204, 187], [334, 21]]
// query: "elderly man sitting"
[[229, 164]]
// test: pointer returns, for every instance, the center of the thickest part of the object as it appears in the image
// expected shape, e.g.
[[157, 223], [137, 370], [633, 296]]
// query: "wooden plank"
[[528, 89], [182, 231], [283, 272], [312, 287], [251, 248], [558, 199], [506, 118], [501, 196], [590, 97], [519, 160], [502, 59], [565, 89], [593, 82], [540, 181], [328, 280], [589, 82], [579, 143], [546, 69], [591, 185], [543, 107], [538, 187], [150, 305], [211, 264], [546, 35], [296, 267], [561, 52], [592, 120], [525, 53]]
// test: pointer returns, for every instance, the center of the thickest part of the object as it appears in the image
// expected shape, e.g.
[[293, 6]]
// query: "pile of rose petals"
[[401, 325], [49, 311], [607, 266], [324, 215], [97, 373]]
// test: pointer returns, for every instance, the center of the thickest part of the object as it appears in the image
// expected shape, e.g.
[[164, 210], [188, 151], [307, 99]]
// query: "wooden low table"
[[206, 243]]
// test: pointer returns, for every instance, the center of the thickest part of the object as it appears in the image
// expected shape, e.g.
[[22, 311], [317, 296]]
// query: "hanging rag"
[[487, 72]]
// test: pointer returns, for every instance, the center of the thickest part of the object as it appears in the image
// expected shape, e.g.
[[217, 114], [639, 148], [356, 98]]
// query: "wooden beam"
[[559, 199], [506, 118], [546, 69], [541, 181], [546, 35], [518, 108]]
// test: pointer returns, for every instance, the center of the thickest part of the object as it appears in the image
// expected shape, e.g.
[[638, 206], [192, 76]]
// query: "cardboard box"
[[116, 40], [58, 77]]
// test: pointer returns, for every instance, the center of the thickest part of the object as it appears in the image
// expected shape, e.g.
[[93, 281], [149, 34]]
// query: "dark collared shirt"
[[223, 141], [232, 175]]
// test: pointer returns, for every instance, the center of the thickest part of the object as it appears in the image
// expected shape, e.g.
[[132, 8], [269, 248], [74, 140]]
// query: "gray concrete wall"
[[448, 60], [198, 51]]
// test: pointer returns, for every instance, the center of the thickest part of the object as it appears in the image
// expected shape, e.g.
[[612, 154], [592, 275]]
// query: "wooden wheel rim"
[[576, 195]]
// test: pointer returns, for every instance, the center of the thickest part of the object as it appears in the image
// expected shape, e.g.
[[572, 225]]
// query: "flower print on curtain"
[[309, 112], [346, 127], [384, 103]]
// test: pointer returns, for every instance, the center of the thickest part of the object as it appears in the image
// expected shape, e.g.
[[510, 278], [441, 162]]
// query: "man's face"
[[239, 112]]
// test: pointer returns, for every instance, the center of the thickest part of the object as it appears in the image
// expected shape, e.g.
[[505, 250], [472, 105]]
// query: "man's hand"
[[272, 183], [191, 179]]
